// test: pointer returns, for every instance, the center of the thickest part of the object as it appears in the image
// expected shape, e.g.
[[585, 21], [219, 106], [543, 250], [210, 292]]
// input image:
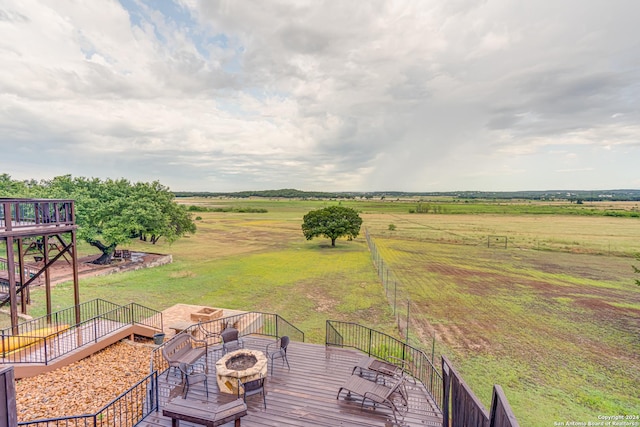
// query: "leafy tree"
[[111, 212], [636, 269], [17, 189], [331, 222]]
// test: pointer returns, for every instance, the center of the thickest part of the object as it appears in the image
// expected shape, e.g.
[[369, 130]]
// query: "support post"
[[47, 277], [11, 267], [23, 278], [76, 287]]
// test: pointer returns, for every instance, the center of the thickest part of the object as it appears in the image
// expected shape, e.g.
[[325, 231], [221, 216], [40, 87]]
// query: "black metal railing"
[[28, 270], [127, 410], [141, 315], [250, 323], [41, 342], [88, 310], [386, 347], [21, 213]]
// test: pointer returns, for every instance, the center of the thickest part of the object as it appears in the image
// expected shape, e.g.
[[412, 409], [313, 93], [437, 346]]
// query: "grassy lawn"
[[558, 330], [554, 318], [250, 262]]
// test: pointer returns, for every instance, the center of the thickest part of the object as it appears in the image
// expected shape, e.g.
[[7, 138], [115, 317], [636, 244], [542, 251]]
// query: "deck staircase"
[[50, 342]]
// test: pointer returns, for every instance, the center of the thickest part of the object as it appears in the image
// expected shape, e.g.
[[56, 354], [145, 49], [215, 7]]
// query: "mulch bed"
[[83, 387]]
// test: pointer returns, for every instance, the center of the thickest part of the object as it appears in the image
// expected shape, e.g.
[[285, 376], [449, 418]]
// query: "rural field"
[[554, 317]]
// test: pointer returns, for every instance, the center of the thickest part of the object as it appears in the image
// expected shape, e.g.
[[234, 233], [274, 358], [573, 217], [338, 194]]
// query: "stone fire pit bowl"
[[227, 377]]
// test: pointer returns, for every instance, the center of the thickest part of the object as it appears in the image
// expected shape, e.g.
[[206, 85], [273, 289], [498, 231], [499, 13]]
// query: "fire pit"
[[206, 314], [242, 364]]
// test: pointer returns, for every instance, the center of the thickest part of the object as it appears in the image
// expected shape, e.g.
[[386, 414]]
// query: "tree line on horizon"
[[576, 196]]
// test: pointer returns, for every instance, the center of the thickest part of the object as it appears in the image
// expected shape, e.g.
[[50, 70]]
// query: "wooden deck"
[[303, 396]]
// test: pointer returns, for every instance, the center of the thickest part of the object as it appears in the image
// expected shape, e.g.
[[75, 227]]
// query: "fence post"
[[407, 332], [395, 296], [370, 339]]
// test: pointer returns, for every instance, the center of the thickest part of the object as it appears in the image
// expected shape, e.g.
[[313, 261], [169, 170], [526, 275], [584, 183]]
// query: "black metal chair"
[[193, 374], [210, 335], [278, 350], [252, 387], [230, 340]]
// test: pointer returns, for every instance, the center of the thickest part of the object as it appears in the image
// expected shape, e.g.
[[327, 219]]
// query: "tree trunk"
[[333, 242], [107, 252]]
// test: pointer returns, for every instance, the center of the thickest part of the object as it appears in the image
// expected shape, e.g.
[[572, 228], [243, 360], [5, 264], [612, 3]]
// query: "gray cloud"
[[328, 95]]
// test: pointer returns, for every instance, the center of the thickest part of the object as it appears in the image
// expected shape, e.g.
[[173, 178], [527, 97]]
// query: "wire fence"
[[398, 297]]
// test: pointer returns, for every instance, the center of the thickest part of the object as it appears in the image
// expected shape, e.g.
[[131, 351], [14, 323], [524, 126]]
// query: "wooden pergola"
[[40, 221]]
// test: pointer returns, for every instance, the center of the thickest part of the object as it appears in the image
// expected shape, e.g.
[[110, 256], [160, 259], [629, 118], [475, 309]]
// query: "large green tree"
[[111, 212], [331, 222]]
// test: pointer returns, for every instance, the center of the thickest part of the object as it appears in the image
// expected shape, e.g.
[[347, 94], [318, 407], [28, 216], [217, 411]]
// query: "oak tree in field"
[[331, 222], [112, 212]]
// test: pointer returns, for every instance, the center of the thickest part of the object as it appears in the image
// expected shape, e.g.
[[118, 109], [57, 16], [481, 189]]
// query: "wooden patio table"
[[203, 412]]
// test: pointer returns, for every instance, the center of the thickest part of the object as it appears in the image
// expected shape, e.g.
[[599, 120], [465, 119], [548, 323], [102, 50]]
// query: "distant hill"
[[287, 193], [571, 195]]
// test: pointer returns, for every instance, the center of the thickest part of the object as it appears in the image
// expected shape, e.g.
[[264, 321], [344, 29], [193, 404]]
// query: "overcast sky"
[[323, 95]]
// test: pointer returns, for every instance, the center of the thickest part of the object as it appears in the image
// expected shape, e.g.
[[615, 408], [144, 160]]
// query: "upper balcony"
[[33, 217]]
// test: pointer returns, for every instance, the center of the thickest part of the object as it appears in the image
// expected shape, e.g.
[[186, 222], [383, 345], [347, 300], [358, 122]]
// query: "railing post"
[[395, 296], [407, 331], [433, 352], [155, 381], [370, 339]]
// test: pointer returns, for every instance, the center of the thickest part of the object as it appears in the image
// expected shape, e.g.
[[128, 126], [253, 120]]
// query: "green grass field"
[[554, 318]]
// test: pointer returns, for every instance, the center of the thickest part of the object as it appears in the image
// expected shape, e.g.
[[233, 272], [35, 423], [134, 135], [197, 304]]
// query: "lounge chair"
[[379, 367], [377, 393]]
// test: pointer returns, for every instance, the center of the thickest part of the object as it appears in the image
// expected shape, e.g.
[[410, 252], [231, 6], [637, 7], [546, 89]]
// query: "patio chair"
[[230, 340], [209, 332], [278, 350], [193, 374], [252, 387], [377, 393]]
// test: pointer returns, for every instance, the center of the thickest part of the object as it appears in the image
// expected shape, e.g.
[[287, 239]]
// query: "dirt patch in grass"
[[62, 271]]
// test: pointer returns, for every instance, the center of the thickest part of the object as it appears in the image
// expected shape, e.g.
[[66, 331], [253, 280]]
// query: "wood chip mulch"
[[83, 387]]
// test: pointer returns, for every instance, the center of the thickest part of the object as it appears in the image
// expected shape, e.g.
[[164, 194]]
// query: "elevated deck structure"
[[38, 221]]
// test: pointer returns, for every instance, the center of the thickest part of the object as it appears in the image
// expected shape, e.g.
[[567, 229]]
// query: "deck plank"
[[304, 395]]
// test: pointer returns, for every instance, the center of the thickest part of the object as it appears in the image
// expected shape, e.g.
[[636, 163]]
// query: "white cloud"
[[328, 95]]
